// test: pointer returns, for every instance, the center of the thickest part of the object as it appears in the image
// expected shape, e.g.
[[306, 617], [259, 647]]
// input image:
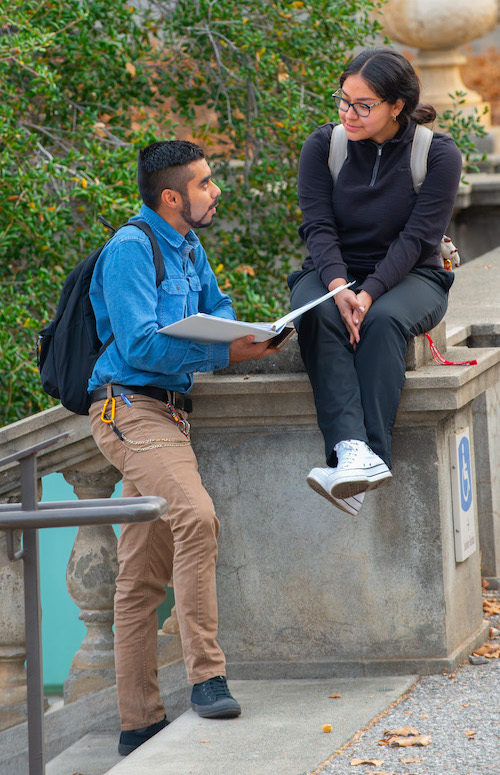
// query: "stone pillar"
[[13, 690], [90, 578]]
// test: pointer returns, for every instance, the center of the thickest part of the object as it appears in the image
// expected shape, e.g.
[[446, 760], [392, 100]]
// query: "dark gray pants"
[[357, 392]]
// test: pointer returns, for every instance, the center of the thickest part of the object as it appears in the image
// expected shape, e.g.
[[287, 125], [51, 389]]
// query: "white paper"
[[209, 329]]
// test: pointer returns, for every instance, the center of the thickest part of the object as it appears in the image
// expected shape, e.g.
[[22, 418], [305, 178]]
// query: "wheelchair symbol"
[[465, 474]]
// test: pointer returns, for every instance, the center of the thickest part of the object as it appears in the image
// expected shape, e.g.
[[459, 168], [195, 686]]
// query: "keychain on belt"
[[184, 425], [108, 417]]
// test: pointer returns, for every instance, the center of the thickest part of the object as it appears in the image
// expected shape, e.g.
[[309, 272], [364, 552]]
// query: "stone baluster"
[[90, 579], [13, 692]]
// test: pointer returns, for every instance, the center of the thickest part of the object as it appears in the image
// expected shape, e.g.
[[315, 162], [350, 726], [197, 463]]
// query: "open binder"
[[209, 329]]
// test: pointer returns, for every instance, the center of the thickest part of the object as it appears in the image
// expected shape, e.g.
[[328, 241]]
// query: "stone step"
[[279, 732], [94, 754]]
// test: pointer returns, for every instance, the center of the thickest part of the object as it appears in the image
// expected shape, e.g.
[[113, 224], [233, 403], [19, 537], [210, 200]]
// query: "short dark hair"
[[391, 77], [163, 165]]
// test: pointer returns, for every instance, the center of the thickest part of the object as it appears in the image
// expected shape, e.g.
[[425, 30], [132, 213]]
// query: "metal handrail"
[[28, 516], [83, 512]]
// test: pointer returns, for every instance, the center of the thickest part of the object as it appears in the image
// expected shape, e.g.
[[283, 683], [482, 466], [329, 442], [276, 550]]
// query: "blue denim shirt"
[[127, 303]]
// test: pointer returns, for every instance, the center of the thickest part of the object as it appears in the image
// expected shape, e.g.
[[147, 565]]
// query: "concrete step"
[[94, 754], [279, 732]]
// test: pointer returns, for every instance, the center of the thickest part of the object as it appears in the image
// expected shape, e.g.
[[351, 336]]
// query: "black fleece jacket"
[[372, 222]]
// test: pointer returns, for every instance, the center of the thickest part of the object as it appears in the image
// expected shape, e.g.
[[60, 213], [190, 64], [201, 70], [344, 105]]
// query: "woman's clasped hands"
[[352, 307]]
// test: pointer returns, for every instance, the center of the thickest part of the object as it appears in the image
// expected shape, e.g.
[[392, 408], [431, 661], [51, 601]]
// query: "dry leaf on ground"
[[411, 760], [489, 650], [470, 733], [491, 607], [334, 696], [402, 732], [405, 742], [373, 762], [327, 727], [404, 737]]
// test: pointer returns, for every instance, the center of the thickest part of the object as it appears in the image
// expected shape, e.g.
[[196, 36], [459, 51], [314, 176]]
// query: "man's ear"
[[170, 198]]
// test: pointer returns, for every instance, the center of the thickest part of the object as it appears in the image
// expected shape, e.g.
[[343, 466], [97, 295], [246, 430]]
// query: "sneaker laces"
[[349, 451], [217, 686]]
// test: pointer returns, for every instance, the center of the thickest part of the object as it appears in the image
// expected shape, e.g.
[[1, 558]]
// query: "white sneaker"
[[358, 469], [319, 480]]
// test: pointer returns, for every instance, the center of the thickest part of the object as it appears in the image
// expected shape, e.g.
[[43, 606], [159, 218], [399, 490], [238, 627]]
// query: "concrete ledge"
[[475, 294], [482, 188], [259, 400], [419, 351]]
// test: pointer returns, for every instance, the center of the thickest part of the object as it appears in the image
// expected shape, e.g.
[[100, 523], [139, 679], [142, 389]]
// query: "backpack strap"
[[338, 151], [157, 259], [157, 254], [421, 143], [422, 140], [418, 158]]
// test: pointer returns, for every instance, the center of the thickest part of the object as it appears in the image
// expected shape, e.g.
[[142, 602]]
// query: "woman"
[[371, 228]]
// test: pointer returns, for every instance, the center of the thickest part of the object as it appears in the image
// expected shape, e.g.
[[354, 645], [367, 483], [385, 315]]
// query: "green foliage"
[[465, 129], [255, 79], [74, 77], [84, 83]]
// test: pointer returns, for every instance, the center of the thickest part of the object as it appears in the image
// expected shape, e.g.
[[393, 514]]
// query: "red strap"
[[442, 361]]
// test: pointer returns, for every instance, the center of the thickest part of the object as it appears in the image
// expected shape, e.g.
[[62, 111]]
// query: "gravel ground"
[[461, 713]]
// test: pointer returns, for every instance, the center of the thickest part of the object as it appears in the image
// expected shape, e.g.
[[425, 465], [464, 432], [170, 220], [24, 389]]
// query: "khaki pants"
[[157, 459]]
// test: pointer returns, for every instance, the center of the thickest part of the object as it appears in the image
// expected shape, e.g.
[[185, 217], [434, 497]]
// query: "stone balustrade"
[[91, 570]]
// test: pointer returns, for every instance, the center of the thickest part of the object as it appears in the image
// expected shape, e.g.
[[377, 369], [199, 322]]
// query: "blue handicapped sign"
[[464, 464]]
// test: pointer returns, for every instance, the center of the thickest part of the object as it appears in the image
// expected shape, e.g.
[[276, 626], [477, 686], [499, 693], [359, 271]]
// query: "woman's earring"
[[394, 118]]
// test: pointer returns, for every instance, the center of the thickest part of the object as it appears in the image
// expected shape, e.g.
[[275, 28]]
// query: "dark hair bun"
[[423, 114]]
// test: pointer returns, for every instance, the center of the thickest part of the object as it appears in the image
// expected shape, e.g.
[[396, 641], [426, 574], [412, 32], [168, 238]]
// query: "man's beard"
[[186, 214]]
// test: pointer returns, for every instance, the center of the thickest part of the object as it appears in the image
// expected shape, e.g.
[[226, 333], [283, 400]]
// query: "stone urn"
[[437, 28]]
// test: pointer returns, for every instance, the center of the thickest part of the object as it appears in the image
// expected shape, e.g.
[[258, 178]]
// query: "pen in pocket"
[[125, 399]]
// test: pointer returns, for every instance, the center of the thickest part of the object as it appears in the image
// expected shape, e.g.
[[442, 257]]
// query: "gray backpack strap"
[[418, 160], [422, 140], [338, 151]]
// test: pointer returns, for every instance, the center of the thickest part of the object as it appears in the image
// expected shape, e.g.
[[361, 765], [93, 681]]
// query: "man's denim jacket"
[[127, 303]]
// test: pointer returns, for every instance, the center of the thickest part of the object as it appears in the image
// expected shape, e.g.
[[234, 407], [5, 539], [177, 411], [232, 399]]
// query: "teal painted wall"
[[62, 630]]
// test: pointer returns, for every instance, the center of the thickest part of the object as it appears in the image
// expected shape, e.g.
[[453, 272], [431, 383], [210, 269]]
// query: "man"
[[139, 419]]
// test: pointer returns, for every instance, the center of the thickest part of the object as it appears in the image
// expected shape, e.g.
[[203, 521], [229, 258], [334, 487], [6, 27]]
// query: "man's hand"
[[245, 349]]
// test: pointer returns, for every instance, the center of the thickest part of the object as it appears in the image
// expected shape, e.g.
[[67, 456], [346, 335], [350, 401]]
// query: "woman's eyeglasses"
[[360, 108]]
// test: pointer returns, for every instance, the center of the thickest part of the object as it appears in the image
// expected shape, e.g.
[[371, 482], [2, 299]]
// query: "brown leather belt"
[[179, 400]]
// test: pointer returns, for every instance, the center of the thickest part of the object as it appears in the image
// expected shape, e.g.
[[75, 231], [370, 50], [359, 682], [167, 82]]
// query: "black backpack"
[[68, 346]]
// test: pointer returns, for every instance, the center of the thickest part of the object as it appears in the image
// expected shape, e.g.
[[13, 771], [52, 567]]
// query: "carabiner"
[[106, 418]]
